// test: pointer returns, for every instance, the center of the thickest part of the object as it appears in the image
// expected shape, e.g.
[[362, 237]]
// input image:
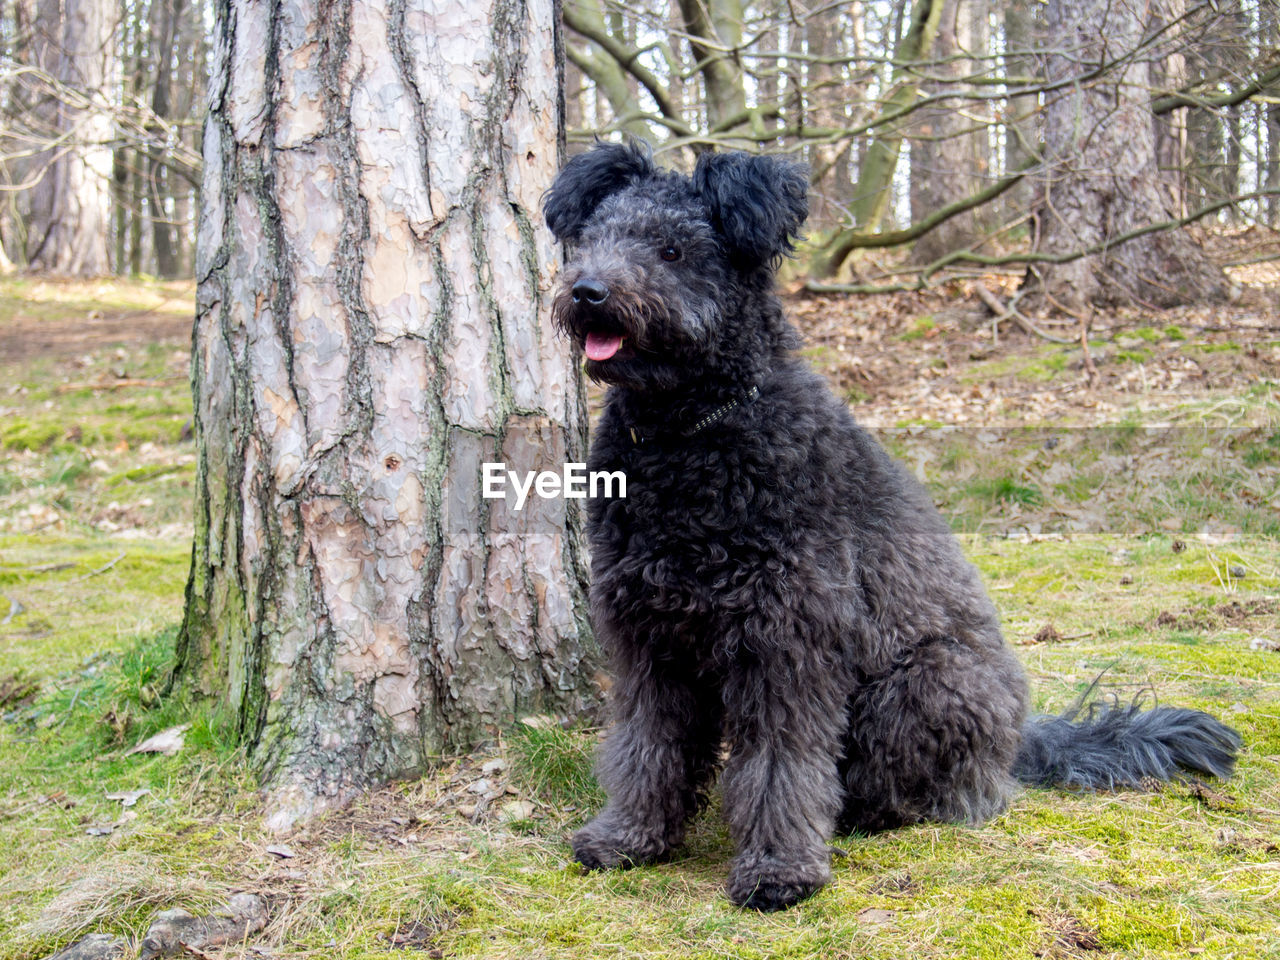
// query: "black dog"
[[774, 582]]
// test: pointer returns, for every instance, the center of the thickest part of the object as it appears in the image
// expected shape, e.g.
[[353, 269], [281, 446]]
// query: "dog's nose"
[[590, 290]]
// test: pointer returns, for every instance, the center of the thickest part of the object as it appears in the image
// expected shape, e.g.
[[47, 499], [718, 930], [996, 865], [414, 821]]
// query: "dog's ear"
[[757, 203], [586, 180]]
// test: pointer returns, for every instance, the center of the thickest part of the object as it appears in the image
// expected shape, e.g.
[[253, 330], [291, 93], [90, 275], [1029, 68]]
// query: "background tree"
[[165, 21], [855, 86], [73, 44], [950, 152], [98, 109], [1101, 182], [372, 327], [833, 35]]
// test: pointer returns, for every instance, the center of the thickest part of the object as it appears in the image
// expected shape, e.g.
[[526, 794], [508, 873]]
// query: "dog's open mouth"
[[602, 346]]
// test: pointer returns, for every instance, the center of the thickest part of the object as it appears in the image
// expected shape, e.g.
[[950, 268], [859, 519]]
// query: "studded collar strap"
[[716, 415]]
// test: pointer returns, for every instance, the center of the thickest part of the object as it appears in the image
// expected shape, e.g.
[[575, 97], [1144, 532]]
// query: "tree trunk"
[[1273, 159], [715, 34], [875, 175], [16, 19], [371, 328], [1102, 181], [1169, 73], [949, 157], [165, 16], [70, 207], [829, 93], [1021, 133]]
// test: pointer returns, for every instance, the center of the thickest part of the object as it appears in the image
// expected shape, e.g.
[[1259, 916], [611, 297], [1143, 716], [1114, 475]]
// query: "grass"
[[99, 440], [1136, 874], [59, 299], [1184, 474], [1046, 363], [1068, 526], [920, 328]]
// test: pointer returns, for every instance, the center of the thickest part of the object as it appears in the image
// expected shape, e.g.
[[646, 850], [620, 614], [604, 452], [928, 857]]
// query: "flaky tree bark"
[[1102, 181], [371, 328], [69, 219]]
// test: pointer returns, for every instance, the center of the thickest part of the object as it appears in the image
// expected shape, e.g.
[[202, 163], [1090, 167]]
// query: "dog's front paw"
[[768, 884], [609, 841]]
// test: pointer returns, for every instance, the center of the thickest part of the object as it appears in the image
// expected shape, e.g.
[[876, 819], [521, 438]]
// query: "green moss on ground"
[[1134, 874]]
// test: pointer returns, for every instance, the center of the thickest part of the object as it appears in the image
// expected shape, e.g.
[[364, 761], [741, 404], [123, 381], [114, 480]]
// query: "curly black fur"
[[774, 582]]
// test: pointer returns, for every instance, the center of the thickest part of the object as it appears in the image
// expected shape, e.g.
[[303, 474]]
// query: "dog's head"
[[663, 265]]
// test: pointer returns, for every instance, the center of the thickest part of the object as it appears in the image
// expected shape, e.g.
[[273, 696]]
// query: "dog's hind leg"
[[934, 738], [655, 764], [781, 786]]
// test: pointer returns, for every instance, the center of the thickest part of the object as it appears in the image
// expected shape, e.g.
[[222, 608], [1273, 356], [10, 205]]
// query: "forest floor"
[[1123, 503]]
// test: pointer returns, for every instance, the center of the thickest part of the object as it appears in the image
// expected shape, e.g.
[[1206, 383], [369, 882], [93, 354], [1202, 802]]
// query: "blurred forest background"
[[945, 137]]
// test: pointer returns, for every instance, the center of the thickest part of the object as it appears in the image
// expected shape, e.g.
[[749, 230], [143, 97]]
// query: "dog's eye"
[[670, 253]]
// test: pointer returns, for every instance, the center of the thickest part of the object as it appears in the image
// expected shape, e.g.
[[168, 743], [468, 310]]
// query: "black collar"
[[715, 416]]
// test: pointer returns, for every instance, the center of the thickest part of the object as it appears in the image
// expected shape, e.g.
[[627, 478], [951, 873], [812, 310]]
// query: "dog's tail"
[[1106, 746]]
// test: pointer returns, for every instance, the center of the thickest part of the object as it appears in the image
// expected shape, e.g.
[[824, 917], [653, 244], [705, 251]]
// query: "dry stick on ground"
[[1090, 368], [1010, 312], [80, 579], [102, 569]]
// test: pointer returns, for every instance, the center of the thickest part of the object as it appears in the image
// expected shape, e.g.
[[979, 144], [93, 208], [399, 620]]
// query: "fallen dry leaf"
[[167, 742], [876, 915], [518, 809], [128, 798]]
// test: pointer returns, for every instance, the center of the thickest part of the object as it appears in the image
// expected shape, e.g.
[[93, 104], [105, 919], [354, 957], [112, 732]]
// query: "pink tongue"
[[602, 346]]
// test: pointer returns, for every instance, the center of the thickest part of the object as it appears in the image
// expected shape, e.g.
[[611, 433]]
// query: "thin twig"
[[51, 567], [93, 573]]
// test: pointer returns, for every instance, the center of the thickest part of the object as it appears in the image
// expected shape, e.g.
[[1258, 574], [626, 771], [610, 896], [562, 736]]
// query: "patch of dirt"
[[1069, 937], [1047, 634], [24, 338], [423, 934], [1212, 798], [433, 816], [896, 885], [1235, 613], [912, 356], [17, 690], [1228, 839]]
